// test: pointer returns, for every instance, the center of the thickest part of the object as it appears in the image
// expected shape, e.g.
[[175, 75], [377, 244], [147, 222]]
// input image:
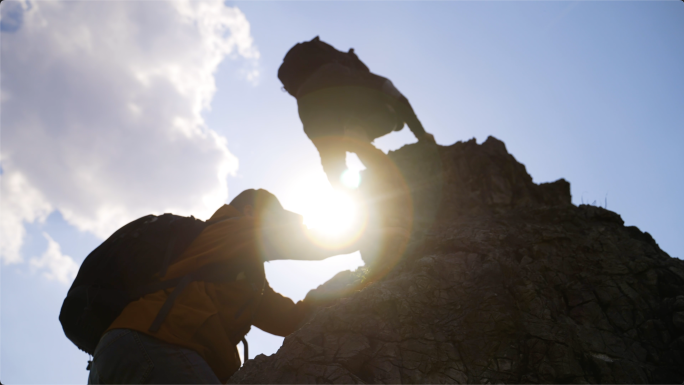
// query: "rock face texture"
[[504, 281]]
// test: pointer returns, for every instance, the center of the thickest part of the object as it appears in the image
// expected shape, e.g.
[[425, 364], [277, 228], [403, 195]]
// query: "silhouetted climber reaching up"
[[343, 105], [166, 298]]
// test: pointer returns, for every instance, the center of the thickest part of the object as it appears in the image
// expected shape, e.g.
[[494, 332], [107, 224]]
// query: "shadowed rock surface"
[[504, 281]]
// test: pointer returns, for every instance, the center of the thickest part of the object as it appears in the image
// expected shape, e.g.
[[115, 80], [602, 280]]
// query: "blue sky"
[[587, 91]]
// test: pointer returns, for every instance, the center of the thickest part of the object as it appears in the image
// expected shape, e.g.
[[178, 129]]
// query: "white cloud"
[[54, 264], [19, 202], [101, 112]]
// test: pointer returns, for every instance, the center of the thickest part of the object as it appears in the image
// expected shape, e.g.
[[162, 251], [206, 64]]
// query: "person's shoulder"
[[223, 212], [229, 217], [241, 222]]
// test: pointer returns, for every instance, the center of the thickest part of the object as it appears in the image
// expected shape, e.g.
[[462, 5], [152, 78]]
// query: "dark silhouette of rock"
[[504, 281]]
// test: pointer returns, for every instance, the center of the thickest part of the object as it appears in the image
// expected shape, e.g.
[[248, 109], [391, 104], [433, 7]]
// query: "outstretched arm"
[[295, 242], [333, 158], [409, 116], [405, 111], [278, 314]]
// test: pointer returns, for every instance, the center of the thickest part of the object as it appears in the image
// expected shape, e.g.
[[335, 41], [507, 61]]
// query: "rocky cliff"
[[504, 281]]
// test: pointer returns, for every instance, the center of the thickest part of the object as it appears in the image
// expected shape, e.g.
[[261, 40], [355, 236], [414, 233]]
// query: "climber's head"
[[263, 205]]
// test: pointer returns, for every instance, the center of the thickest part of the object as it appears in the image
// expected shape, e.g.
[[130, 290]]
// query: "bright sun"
[[333, 217], [332, 213]]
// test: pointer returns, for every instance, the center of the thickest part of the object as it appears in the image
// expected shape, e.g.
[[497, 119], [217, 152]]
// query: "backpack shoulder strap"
[[215, 272], [168, 304]]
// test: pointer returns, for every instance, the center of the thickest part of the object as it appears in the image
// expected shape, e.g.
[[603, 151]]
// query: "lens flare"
[[335, 219], [333, 214], [351, 179]]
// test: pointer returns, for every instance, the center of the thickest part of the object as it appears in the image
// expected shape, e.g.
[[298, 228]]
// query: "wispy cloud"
[[19, 203], [54, 265], [101, 111]]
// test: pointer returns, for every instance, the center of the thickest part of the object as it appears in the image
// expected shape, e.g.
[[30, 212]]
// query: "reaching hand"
[[341, 285]]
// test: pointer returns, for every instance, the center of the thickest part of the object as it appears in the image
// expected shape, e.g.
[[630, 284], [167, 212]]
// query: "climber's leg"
[[386, 199], [125, 356], [383, 185]]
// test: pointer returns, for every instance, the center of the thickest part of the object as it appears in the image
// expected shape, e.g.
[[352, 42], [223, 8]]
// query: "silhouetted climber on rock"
[[184, 324], [343, 105]]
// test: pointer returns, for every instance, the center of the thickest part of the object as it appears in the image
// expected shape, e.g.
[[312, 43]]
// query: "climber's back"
[[338, 96]]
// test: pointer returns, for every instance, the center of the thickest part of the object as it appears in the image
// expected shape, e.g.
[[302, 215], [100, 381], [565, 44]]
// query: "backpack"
[[302, 60], [129, 265]]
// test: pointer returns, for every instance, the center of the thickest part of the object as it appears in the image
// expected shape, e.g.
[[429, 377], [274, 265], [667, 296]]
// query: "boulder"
[[503, 281]]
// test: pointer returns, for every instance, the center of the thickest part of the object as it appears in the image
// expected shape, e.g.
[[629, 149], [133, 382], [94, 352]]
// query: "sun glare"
[[332, 214], [351, 178], [333, 218]]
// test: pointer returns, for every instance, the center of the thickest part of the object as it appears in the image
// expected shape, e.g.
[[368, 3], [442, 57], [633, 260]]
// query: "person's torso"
[[208, 317]]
